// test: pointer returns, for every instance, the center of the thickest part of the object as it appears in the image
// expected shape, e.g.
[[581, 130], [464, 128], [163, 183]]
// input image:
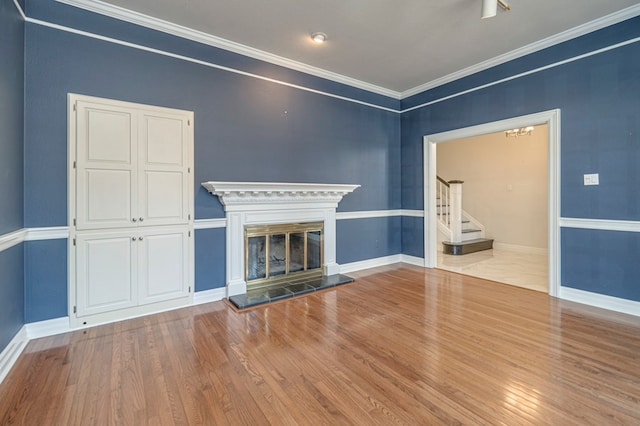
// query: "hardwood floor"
[[402, 345]]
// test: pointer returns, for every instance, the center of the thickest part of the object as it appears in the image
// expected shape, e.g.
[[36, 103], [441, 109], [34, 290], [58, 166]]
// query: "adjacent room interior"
[[505, 198]]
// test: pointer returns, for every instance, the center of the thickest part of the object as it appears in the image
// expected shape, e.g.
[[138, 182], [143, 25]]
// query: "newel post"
[[455, 210]]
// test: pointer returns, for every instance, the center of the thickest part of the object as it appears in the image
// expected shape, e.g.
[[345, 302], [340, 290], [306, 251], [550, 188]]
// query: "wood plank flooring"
[[402, 345]]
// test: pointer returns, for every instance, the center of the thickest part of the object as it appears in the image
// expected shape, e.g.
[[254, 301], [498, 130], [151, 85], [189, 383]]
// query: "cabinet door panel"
[[164, 192], [165, 140], [107, 200], [163, 169], [106, 272], [106, 162], [163, 261]]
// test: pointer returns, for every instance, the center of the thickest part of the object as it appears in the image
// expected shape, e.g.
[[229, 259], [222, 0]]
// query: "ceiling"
[[392, 45]]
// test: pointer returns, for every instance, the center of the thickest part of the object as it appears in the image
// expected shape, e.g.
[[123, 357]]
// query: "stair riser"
[[460, 249], [467, 236]]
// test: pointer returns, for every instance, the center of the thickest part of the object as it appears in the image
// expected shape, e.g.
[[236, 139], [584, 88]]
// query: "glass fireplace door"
[[275, 252]]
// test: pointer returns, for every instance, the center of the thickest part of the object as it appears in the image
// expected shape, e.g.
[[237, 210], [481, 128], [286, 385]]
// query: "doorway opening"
[[552, 121]]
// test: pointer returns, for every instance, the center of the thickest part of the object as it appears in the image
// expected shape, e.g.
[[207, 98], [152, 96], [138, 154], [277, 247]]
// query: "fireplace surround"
[[249, 204]]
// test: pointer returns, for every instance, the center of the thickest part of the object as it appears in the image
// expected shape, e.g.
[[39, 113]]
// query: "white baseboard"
[[46, 328], [412, 260], [520, 249], [208, 296], [381, 261], [600, 300], [10, 354], [369, 263]]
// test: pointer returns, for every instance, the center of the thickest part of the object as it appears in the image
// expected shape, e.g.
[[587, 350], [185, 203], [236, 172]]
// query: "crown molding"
[[147, 21], [580, 30], [137, 18]]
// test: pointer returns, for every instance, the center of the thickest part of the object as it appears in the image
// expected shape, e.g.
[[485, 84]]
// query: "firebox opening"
[[282, 252]]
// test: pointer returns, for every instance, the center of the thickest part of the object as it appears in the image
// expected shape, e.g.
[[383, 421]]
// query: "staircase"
[[465, 233]]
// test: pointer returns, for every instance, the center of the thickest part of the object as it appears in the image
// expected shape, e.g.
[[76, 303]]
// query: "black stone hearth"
[[286, 290]]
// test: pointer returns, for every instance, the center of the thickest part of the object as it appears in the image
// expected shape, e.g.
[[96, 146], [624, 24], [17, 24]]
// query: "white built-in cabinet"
[[131, 192]]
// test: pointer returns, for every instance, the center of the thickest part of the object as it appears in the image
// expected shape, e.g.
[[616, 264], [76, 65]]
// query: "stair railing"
[[455, 210], [442, 206], [449, 206]]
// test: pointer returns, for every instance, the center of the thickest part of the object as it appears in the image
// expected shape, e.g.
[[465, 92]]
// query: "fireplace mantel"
[[249, 196], [261, 203]]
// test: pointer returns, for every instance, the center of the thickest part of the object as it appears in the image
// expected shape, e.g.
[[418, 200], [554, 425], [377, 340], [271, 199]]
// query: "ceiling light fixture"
[[490, 8], [522, 131], [319, 37]]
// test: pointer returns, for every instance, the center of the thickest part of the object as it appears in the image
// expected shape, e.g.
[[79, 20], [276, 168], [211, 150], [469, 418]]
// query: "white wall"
[[505, 183]]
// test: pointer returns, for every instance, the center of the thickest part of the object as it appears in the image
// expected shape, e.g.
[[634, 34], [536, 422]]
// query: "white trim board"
[[207, 296], [36, 330], [20, 11], [209, 223], [10, 354], [61, 232], [601, 224], [12, 239], [47, 233], [345, 268], [600, 300]]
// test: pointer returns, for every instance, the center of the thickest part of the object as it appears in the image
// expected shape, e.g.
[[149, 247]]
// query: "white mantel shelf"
[[237, 196], [262, 203]]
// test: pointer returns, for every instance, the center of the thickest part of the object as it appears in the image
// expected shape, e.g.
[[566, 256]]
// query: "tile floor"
[[509, 267]]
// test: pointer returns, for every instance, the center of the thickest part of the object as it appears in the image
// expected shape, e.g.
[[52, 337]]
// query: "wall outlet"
[[592, 179]]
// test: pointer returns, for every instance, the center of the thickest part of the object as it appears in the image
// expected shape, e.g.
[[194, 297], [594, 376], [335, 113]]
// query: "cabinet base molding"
[[128, 313]]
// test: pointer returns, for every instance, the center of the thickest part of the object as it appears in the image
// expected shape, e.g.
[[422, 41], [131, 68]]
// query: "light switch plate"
[[592, 179]]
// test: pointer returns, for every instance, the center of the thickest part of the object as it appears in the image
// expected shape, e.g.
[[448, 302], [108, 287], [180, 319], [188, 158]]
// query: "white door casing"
[[552, 119]]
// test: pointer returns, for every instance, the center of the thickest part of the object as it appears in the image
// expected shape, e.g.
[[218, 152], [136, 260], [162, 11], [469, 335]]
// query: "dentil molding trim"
[[239, 196]]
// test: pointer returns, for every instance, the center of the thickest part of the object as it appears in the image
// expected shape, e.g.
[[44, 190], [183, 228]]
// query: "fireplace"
[[306, 209], [277, 253]]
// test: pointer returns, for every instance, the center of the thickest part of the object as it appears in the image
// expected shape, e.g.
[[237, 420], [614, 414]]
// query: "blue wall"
[[11, 117], [210, 259], [11, 161], [246, 129], [45, 280], [599, 97], [599, 261]]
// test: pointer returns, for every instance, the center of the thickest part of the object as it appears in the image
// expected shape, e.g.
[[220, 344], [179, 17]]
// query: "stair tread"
[[466, 231], [469, 242]]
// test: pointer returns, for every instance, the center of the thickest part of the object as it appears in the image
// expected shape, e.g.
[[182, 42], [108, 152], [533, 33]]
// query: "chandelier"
[[522, 131]]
